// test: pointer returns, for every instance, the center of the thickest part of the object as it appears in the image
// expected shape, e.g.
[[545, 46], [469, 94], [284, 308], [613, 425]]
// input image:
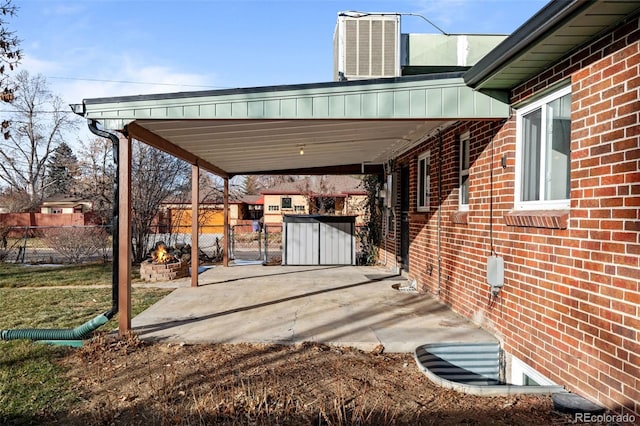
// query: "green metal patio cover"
[[342, 127]]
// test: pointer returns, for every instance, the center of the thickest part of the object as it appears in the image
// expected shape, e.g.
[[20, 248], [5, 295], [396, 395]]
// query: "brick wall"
[[570, 306]]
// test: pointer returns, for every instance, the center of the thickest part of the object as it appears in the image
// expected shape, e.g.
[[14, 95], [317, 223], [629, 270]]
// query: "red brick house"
[[554, 191], [529, 182]]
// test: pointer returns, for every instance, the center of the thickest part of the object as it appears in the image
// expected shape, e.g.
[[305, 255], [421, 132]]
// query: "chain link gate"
[[246, 243], [252, 243], [272, 235]]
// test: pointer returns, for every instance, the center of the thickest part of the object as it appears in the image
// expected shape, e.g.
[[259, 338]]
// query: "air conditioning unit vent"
[[367, 46]]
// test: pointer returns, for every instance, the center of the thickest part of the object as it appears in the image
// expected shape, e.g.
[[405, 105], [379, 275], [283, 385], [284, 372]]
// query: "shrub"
[[77, 243]]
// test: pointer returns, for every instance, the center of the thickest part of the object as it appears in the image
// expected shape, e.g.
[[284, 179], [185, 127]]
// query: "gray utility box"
[[318, 240]]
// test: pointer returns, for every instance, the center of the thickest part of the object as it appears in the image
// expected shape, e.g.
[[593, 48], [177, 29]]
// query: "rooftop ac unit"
[[366, 46]]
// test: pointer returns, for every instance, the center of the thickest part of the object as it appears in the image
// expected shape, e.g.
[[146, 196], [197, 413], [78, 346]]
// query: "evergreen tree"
[[62, 171], [250, 185]]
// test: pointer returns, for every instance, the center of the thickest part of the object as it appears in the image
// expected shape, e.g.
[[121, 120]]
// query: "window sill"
[[419, 216], [551, 219], [460, 217]]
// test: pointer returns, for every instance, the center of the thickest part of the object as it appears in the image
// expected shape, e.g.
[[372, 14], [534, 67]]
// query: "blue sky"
[[90, 48]]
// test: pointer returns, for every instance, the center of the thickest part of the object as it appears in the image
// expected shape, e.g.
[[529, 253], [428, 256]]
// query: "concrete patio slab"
[[339, 305]]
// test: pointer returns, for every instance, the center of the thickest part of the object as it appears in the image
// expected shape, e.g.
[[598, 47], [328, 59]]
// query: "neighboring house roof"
[[320, 185], [63, 200], [210, 199], [252, 199], [557, 29]]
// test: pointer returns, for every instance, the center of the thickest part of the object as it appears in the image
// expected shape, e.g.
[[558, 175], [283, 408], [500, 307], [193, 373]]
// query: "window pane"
[[464, 189], [531, 139], [286, 203], [464, 171], [421, 173], [464, 154], [557, 175]]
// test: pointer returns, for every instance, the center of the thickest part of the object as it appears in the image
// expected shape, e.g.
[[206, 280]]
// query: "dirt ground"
[[129, 382]]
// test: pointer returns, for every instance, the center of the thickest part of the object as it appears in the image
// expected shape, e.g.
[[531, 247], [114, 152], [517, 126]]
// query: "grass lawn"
[[31, 385], [13, 275]]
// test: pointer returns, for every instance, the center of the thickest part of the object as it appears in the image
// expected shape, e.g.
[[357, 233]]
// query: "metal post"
[[225, 259], [266, 244], [124, 237], [195, 231]]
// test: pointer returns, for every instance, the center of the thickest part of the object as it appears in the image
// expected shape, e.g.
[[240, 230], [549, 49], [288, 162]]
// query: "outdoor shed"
[[319, 240]]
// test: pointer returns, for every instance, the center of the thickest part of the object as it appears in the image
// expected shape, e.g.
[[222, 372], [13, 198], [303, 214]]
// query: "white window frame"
[[537, 204], [464, 158], [425, 190], [519, 370]]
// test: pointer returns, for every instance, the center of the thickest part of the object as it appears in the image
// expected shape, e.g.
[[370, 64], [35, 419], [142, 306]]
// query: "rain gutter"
[[546, 20]]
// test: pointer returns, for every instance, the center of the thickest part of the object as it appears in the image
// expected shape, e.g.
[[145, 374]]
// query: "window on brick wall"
[[463, 199], [543, 153], [424, 182], [273, 208]]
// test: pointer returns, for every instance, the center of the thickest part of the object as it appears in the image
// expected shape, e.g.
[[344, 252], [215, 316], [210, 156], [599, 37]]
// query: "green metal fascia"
[[445, 98]]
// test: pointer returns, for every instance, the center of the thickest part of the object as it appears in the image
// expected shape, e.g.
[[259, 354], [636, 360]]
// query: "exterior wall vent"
[[366, 46]]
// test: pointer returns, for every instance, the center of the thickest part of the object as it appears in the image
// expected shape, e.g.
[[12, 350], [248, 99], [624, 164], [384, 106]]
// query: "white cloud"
[[94, 77], [133, 80], [38, 66]]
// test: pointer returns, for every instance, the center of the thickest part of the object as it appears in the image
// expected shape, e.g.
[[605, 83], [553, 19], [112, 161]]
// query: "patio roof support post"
[[195, 229], [225, 237], [124, 237]]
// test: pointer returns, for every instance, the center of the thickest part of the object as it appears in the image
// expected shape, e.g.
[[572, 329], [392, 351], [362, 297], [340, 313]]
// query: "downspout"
[[115, 240], [74, 336], [439, 211]]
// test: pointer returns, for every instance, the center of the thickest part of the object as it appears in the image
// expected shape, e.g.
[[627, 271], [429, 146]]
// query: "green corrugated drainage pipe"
[[74, 336], [57, 336]]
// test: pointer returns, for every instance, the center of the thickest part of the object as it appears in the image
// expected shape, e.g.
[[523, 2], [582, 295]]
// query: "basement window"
[[543, 152], [524, 375], [424, 182]]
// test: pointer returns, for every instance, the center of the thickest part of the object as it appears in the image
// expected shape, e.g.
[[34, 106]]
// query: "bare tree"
[[14, 201], [269, 181], [97, 176], [155, 176], [211, 187], [38, 124], [316, 190]]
